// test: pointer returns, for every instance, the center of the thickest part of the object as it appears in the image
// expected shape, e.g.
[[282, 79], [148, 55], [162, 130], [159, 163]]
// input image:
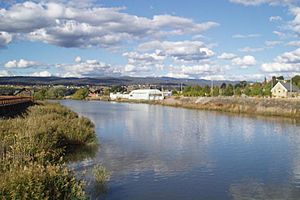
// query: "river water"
[[157, 152]]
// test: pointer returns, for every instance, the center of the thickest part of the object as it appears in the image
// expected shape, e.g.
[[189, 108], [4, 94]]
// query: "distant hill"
[[105, 81]]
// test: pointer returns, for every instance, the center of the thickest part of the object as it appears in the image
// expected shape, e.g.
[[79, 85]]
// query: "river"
[[157, 152]]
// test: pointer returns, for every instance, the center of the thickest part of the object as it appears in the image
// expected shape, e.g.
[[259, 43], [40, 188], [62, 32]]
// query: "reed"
[[32, 148]]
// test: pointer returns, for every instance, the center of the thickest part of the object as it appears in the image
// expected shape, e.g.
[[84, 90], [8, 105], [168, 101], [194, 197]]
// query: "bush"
[[100, 174], [80, 94], [36, 181], [31, 150]]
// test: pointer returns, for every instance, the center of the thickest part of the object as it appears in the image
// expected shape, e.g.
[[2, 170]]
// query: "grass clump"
[[101, 175], [31, 152]]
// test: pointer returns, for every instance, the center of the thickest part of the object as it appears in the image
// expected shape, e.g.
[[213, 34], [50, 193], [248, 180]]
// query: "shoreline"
[[288, 108]]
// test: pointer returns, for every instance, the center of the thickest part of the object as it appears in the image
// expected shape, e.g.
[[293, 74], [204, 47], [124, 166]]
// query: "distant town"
[[276, 87]]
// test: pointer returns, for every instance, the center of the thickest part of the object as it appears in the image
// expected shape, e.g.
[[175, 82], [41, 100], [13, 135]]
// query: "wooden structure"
[[13, 105]]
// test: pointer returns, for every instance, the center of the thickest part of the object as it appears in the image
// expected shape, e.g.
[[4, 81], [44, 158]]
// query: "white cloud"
[[78, 59], [87, 68], [289, 57], [245, 61], [240, 36], [294, 43], [129, 68], [227, 56], [273, 43], [279, 34], [287, 62], [5, 39], [144, 58], [42, 74], [280, 67], [177, 75], [194, 71], [275, 18], [250, 49], [5, 73], [65, 24], [182, 51], [295, 24], [21, 64], [259, 2]]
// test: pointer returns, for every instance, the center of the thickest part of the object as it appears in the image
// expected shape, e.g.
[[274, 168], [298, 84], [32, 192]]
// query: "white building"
[[146, 94], [115, 96], [284, 90]]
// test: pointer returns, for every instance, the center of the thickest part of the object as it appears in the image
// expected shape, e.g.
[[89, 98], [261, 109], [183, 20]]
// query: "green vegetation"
[[253, 90], [53, 93], [117, 88], [80, 94], [100, 174], [32, 148], [296, 80], [242, 88]]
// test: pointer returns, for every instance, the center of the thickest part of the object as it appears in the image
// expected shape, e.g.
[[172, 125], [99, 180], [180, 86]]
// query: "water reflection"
[[157, 152], [251, 189]]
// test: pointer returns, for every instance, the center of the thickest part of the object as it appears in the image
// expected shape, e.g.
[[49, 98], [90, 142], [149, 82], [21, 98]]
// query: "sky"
[[207, 39]]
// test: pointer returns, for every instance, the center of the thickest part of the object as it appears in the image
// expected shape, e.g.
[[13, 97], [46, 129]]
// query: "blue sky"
[[224, 39]]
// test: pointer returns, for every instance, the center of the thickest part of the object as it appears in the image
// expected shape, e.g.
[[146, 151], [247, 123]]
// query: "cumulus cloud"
[[244, 62], [21, 64], [275, 18], [87, 68], [42, 74], [287, 62], [251, 49], [5, 73], [181, 51], [294, 43], [64, 24], [289, 57], [194, 71], [5, 39], [295, 24], [143, 61], [227, 56]]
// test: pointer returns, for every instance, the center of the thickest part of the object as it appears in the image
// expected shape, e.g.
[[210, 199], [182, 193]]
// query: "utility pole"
[[291, 86], [181, 88]]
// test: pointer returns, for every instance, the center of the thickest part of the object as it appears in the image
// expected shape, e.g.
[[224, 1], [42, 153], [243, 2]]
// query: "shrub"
[[31, 151], [35, 181], [100, 174]]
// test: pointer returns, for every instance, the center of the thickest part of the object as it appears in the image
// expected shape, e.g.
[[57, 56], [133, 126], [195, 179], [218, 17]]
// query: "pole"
[[181, 88]]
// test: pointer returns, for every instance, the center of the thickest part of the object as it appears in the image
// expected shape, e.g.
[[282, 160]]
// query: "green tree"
[[228, 90], [216, 91], [207, 90], [238, 91], [40, 95], [296, 80], [80, 94]]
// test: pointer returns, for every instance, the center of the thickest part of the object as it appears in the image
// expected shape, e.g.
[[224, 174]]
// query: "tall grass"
[[32, 149]]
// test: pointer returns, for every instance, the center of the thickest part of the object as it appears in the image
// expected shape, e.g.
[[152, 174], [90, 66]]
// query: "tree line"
[[262, 89]]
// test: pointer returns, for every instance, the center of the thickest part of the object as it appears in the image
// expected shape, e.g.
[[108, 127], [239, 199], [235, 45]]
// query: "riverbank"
[[32, 148], [254, 106]]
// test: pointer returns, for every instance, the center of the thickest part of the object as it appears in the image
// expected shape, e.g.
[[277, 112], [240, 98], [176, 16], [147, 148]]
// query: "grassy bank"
[[254, 106], [32, 148]]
